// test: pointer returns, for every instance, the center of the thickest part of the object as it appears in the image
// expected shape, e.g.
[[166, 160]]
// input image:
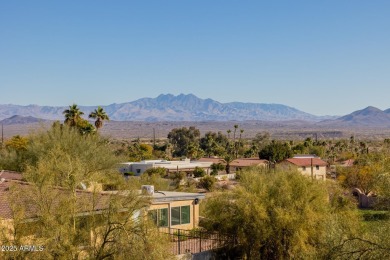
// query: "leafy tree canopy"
[[281, 215], [276, 151]]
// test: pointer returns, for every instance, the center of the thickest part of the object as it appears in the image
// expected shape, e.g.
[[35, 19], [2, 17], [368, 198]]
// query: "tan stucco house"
[[178, 210], [313, 167]]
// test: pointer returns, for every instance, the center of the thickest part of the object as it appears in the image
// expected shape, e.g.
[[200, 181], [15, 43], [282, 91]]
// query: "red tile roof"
[[307, 161], [212, 160], [246, 162]]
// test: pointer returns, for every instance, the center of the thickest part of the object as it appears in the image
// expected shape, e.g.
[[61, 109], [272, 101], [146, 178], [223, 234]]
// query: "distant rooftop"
[[182, 164], [246, 162], [307, 161], [10, 175], [163, 196], [305, 156]]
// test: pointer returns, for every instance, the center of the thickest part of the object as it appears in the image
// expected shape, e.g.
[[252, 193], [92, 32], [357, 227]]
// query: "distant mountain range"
[[17, 120], [368, 117], [191, 108], [173, 108]]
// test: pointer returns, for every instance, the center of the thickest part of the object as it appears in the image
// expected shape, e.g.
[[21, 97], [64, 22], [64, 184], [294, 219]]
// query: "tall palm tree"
[[100, 115], [239, 145], [234, 133], [72, 115]]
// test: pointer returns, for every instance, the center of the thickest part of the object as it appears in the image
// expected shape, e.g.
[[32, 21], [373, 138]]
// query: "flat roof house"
[[179, 210], [185, 165]]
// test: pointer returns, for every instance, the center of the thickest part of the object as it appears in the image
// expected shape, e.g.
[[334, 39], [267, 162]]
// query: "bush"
[[129, 174], [269, 212], [199, 172], [215, 167], [177, 178], [159, 171], [375, 215], [207, 183]]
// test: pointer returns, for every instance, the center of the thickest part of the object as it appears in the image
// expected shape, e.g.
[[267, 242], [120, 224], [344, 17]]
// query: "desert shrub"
[[199, 172], [207, 183]]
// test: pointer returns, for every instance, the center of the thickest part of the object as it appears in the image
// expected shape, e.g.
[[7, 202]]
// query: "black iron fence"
[[195, 241]]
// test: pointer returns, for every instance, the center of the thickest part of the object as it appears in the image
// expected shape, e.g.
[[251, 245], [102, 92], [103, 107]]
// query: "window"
[[180, 215], [138, 170], [317, 167], [159, 217], [185, 215], [175, 216]]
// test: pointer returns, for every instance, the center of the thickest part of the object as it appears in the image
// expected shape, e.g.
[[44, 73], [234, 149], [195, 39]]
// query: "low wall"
[[205, 255]]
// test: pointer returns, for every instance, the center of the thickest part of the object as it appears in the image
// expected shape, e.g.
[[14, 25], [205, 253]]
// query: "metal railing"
[[194, 241]]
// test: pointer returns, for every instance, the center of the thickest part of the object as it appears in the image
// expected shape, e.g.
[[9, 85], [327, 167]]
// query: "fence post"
[[178, 240], [200, 241]]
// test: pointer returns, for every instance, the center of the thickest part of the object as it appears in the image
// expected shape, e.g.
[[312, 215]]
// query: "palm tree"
[[239, 145], [228, 132], [234, 133], [100, 115], [228, 159], [72, 115]]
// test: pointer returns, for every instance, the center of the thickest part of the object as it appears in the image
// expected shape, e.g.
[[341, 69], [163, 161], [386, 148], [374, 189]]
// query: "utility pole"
[[311, 167], [2, 135], [154, 138]]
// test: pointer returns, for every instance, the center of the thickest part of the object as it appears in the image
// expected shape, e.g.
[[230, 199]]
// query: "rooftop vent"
[[147, 189]]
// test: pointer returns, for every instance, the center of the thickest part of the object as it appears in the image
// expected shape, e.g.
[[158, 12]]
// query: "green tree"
[[139, 151], [216, 167], [17, 143], [365, 172], [213, 144], [234, 133], [276, 151], [280, 216], [261, 140], [159, 171], [73, 118], [208, 143], [72, 115], [85, 127], [228, 158], [108, 226], [185, 141], [199, 172], [207, 182], [99, 115], [59, 162]]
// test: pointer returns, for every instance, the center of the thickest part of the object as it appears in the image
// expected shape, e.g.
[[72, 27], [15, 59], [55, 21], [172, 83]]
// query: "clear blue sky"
[[322, 57]]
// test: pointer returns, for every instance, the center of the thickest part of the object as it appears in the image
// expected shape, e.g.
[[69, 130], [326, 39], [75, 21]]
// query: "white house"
[[171, 166]]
